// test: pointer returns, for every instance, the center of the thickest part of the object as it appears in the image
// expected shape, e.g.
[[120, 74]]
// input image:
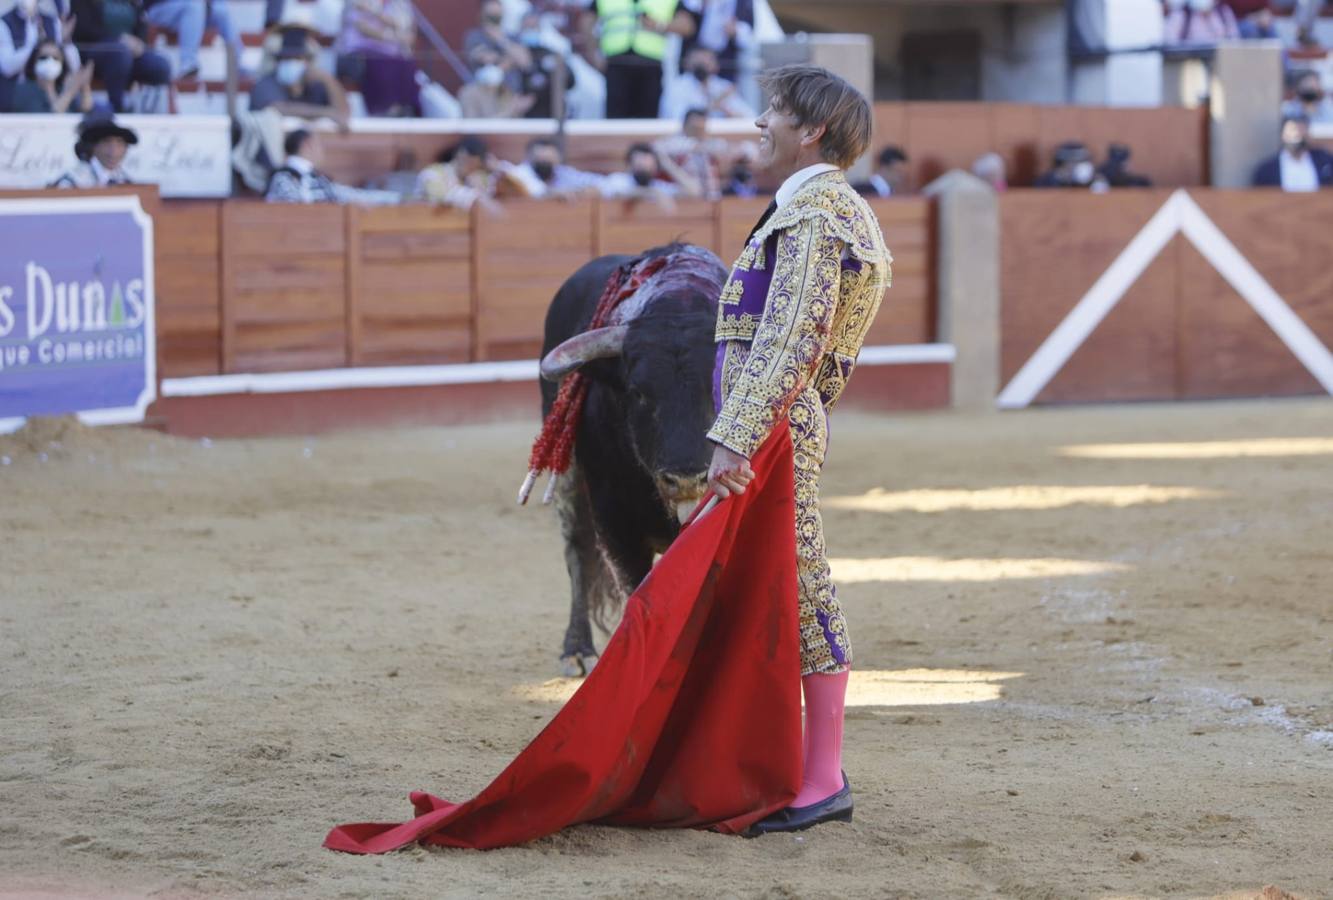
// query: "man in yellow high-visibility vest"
[[632, 38]]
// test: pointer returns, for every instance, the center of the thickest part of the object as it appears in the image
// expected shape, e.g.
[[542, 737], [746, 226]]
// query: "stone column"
[[968, 285], [1244, 109]]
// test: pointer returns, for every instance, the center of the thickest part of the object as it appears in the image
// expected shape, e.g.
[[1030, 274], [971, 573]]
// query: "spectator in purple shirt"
[[378, 36]]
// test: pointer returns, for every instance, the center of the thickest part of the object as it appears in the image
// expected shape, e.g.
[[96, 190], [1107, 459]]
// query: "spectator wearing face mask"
[[1297, 167], [297, 86], [726, 27], [21, 30], [1310, 101], [101, 149], [490, 45], [48, 85], [641, 179], [699, 86], [740, 180], [487, 96], [1199, 22], [543, 172], [1073, 168]]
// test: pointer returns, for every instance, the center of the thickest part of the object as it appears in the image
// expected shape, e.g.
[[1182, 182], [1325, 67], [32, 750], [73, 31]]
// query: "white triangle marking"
[[1180, 214]]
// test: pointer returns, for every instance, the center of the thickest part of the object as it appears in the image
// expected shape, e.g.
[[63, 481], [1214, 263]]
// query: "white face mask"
[[489, 76], [1201, 5], [48, 69], [289, 71]]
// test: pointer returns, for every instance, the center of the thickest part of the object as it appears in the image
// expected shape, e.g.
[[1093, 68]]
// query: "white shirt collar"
[[101, 172], [301, 164], [1298, 174], [794, 182]]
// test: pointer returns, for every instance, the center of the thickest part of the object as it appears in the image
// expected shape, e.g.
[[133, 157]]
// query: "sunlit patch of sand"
[[1306, 446], [1034, 496], [934, 568]]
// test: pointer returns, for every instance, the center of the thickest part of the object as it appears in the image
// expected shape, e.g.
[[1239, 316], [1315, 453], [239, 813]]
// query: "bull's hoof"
[[577, 665]]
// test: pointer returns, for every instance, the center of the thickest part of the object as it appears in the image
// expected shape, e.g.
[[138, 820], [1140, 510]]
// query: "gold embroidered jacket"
[[806, 322]]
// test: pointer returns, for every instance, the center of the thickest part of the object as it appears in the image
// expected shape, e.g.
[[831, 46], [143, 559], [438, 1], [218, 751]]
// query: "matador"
[[792, 317]]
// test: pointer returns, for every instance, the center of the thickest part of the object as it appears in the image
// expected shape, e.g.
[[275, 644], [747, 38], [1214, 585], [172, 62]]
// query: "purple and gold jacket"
[[802, 294]]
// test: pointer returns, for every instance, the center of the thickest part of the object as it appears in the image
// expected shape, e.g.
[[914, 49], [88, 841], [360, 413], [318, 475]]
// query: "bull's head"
[[662, 367]]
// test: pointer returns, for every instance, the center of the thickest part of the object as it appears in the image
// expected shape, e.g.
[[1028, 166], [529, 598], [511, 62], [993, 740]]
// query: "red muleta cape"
[[692, 717]]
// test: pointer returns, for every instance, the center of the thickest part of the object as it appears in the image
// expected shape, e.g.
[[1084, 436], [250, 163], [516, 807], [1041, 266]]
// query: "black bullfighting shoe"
[[837, 808]]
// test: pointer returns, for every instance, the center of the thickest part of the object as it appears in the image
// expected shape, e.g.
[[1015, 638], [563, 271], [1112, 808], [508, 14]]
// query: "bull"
[[640, 457]]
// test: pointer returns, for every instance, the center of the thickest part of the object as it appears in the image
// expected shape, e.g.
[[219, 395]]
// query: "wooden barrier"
[[251, 287], [1180, 331], [409, 286], [189, 287], [284, 287]]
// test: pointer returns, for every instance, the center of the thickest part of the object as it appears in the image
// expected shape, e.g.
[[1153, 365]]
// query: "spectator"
[[112, 34], [188, 19], [699, 86], [461, 178], [489, 45], [1199, 22], [633, 42], [1115, 171], [488, 96], [101, 149], [297, 86], [990, 168], [1297, 167], [693, 160], [891, 177], [726, 27], [1073, 168], [740, 181], [544, 173], [1310, 101], [402, 180], [21, 30], [299, 180], [549, 61], [379, 36], [48, 86], [1254, 18], [1306, 13], [642, 179]]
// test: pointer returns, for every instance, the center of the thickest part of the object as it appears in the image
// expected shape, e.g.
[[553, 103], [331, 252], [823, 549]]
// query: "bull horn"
[[600, 343]]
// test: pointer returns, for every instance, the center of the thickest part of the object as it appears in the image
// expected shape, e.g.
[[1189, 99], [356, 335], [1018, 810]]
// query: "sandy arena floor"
[[1095, 659]]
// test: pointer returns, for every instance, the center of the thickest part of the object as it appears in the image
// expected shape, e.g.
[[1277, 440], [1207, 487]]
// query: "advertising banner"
[[185, 156], [76, 309]]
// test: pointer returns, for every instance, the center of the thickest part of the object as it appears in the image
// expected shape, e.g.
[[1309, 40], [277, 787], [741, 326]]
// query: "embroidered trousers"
[[825, 646]]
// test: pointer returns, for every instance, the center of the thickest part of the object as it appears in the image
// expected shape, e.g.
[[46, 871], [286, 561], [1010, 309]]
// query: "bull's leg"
[[584, 562]]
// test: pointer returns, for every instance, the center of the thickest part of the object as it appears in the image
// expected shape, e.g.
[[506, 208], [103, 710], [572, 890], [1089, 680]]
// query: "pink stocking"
[[824, 697]]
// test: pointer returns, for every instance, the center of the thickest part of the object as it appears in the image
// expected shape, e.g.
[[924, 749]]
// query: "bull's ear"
[[600, 343]]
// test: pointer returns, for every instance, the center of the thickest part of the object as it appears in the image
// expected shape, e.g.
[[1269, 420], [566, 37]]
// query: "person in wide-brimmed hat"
[[101, 148]]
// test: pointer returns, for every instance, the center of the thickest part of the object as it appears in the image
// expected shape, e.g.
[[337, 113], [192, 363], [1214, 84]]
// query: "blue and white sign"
[[76, 310]]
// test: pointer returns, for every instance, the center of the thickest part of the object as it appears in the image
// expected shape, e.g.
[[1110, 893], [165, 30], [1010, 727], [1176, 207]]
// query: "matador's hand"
[[729, 473]]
